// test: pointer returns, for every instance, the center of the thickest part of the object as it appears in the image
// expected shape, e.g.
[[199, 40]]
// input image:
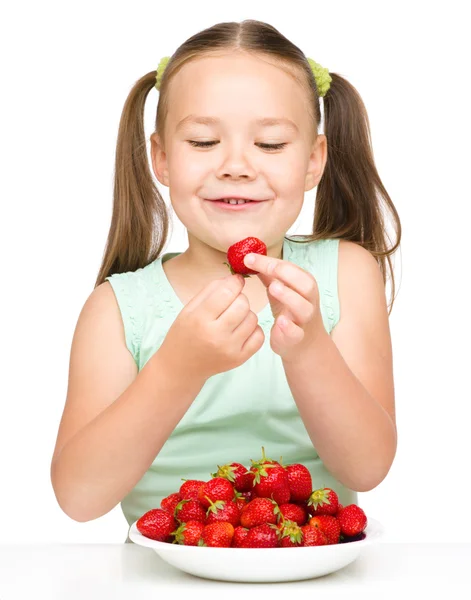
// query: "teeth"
[[234, 201]]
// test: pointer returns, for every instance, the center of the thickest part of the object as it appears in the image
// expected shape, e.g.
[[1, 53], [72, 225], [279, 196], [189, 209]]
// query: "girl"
[[177, 367]]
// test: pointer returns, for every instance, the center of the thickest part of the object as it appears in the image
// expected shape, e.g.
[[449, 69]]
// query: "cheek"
[[186, 173], [288, 172]]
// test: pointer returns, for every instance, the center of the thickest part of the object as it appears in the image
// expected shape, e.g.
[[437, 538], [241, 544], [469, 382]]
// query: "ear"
[[159, 159], [317, 162]]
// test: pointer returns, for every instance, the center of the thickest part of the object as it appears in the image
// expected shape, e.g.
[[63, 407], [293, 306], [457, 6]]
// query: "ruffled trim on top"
[[320, 258], [123, 289]]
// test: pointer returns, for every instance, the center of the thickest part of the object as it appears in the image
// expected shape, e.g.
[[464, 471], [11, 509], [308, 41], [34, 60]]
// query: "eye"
[[273, 146], [201, 144], [264, 146]]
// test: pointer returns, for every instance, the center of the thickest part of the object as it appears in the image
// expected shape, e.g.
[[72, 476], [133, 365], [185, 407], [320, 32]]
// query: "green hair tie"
[[321, 75], [160, 70]]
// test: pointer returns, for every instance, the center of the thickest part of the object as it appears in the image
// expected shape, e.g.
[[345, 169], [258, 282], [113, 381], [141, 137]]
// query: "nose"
[[236, 166]]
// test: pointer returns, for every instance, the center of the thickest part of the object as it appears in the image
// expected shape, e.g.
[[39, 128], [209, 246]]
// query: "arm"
[[115, 421], [343, 386]]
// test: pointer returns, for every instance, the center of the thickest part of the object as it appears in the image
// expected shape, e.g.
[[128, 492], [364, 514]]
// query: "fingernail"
[[249, 259]]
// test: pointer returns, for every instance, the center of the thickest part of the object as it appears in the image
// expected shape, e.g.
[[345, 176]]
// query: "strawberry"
[[189, 533], [215, 489], [157, 524], [339, 510], [265, 461], [242, 499], [169, 503], [300, 482], [223, 511], [237, 252], [217, 535], [190, 510], [352, 520], [294, 512], [241, 503], [313, 536], [323, 502], [189, 489], [238, 475], [329, 525], [291, 534], [258, 511], [271, 480], [240, 533], [261, 536]]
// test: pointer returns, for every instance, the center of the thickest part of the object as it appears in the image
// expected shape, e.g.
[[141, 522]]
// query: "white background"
[[66, 71]]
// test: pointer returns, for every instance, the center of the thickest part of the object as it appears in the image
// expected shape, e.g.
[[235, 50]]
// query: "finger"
[[217, 296], [301, 309], [291, 275], [286, 332]]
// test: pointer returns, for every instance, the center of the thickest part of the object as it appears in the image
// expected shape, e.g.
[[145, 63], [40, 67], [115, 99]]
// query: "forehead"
[[236, 87]]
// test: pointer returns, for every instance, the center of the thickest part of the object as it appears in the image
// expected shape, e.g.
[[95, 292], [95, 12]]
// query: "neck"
[[207, 262]]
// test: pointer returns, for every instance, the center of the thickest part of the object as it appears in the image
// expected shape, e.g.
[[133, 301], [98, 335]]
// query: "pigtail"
[[139, 223], [350, 196]]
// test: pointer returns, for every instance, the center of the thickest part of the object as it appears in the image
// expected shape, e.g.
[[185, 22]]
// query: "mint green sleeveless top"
[[238, 411]]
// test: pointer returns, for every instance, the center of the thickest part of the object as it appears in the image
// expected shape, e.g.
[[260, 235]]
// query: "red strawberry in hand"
[[237, 252], [157, 524]]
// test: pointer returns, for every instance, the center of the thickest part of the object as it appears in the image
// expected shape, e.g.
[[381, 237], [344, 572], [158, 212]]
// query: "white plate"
[[260, 564]]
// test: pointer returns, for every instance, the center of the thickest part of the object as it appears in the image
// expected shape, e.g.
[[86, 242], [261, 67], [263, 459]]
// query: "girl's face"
[[235, 158]]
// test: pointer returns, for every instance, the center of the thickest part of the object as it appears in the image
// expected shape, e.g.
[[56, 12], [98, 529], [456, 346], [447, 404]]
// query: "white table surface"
[[89, 571]]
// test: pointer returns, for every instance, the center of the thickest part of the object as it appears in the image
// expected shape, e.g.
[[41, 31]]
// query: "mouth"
[[236, 204]]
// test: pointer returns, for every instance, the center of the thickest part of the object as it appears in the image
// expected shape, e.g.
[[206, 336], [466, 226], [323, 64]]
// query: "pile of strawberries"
[[268, 505]]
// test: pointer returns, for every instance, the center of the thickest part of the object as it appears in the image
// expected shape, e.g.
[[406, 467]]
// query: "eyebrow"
[[265, 122]]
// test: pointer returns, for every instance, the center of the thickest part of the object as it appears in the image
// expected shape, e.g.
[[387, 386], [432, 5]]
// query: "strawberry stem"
[[230, 268]]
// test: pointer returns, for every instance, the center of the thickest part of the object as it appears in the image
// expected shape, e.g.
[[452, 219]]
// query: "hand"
[[298, 320], [214, 332]]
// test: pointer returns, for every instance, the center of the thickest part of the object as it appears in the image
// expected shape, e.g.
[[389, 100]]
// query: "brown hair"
[[348, 196]]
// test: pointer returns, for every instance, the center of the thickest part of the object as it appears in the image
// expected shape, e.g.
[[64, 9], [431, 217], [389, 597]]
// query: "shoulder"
[[101, 298], [361, 290], [101, 309], [354, 252], [358, 270]]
